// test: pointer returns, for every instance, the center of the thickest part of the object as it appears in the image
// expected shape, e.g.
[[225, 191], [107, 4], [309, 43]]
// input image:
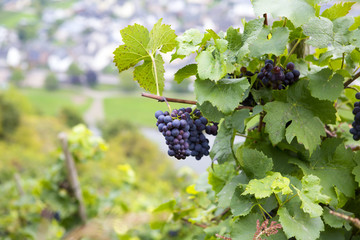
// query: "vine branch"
[[355, 221], [177, 100], [348, 82], [222, 237], [202, 225]]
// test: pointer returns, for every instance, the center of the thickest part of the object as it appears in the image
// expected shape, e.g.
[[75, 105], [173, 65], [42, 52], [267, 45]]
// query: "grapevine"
[[298, 163]]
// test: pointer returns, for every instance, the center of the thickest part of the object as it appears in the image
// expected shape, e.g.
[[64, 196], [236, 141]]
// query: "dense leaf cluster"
[[296, 163]]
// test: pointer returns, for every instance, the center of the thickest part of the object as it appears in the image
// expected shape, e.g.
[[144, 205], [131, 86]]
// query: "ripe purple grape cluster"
[[355, 130], [183, 132], [276, 77]]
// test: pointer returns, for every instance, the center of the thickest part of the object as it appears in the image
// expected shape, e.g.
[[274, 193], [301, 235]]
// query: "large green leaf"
[[226, 194], [310, 195], [189, 42], [222, 149], [185, 72], [337, 10], [298, 11], [324, 80], [251, 31], [245, 227], [356, 170], [241, 205], [212, 62], [255, 163], [298, 224], [324, 32], [272, 183], [140, 45], [306, 113], [220, 174], [275, 45], [225, 94], [333, 164]]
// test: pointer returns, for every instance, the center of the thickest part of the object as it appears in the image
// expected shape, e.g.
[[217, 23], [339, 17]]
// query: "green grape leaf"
[[355, 35], [225, 94], [210, 112], [337, 10], [219, 175], [272, 183], [212, 63], [185, 72], [245, 227], [275, 45], [333, 164], [226, 194], [298, 11], [255, 163], [306, 113], [140, 45], [334, 221], [240, 205], [356, 23], [238, 119], [189, 42], [251, 31], [323, 80], [234, 39], [298, 224], [324, 32], [221, 150], [320, 31], [310, 195], [356, 170]]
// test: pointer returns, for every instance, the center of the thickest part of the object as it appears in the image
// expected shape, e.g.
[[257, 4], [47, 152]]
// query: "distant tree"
[[9, 117], [91, 78], [74, 70], [70, 116], [51, 82], [27, 31], [17, 76], [111, 129], [74, 73]]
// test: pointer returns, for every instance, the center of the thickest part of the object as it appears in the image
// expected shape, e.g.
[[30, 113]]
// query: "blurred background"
[[56, 72]]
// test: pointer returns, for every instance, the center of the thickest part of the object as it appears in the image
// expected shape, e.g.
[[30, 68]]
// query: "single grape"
[[357, 95], [290, 66], [296, 73]]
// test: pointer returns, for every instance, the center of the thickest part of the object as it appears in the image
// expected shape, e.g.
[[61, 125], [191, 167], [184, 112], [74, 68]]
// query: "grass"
[[136, 109], [11, 19], [64, 4], [50, 103]]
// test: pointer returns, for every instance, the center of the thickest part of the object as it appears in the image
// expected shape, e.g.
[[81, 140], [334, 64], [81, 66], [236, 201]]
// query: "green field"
[[49, 103], [136, 109], [11, 19]]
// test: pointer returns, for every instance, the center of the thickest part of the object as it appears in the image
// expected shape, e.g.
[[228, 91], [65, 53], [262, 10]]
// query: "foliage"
[[74, 70], [297, 160], [9, 117], [110, 129], [70, 116], [17, 76], [51, 82]]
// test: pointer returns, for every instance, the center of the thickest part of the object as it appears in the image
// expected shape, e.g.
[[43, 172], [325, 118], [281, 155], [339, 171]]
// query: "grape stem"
[[164, 98], [348, 82], [176, 100], [202, 225], [293, 49]]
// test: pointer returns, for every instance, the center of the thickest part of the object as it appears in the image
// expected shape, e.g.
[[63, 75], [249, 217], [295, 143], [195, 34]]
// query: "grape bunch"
[[355, 130], [276, 77], [183, 132]]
